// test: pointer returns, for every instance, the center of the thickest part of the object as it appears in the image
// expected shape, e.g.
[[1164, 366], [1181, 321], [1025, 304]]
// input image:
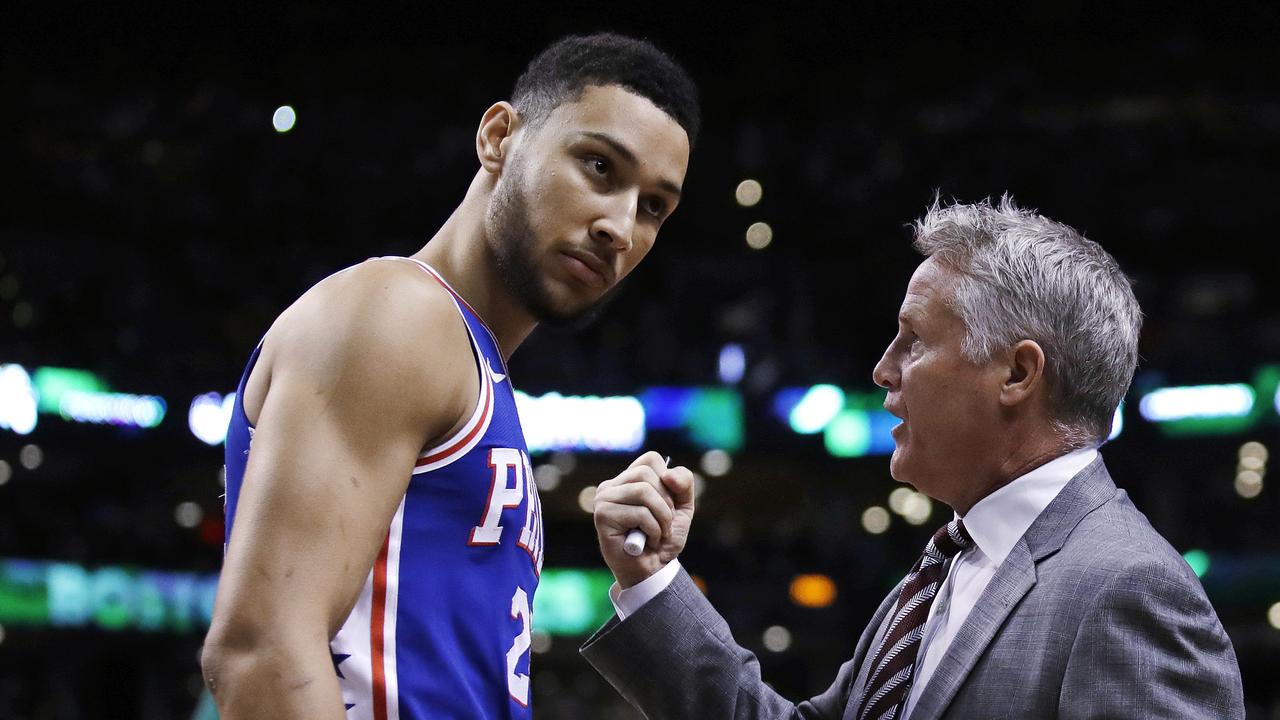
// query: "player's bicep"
[[352, 401]]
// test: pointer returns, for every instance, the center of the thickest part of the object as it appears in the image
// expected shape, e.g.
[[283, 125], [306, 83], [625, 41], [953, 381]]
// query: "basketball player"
[[384, 536]]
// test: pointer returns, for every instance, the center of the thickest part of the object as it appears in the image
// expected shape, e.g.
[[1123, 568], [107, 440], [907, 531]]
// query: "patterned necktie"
[[893, 665]]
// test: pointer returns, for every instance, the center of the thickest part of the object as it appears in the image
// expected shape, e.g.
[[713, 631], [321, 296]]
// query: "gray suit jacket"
[[1092, 615]]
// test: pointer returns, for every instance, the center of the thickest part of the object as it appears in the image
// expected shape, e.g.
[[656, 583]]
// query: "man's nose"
[[617, 226]]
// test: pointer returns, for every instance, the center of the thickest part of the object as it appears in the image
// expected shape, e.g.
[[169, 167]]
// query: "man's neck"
[[1021, 456], [459, 252]]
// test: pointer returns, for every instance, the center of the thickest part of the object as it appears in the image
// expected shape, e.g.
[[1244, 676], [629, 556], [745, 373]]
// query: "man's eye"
[[598, 165], [654, 207]]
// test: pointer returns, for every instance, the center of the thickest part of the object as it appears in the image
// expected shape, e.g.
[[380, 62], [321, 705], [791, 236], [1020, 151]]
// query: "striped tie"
[[893, 665]]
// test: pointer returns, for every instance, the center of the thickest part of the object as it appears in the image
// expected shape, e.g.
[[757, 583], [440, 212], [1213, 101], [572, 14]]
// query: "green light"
[[848, 434], [52, 382], [572, 602], [714, 420], [1198, 560]]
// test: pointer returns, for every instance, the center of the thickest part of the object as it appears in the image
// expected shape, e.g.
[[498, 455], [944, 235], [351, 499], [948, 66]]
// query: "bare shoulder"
[[383, 332]]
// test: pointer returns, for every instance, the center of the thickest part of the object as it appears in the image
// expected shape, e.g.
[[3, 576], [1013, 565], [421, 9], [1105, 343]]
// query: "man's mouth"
[[588, 268]]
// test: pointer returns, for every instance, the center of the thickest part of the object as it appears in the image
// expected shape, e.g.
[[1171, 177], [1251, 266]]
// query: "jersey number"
[[518, 684]]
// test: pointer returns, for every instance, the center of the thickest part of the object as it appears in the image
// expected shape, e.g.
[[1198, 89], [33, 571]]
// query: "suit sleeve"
[[1151, 646], [676, 658]]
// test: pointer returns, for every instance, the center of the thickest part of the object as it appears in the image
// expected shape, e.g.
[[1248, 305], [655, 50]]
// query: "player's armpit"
[[367, 369]]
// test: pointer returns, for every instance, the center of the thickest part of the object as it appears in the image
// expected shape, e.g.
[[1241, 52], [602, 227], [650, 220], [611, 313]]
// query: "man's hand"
[[650, 496]]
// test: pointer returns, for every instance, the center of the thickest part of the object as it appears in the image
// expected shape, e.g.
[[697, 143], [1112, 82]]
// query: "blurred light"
[[813, 591], [818, 406], [222, 477], [777, 639], [587, 499], [8, 287], [570, 602], [875, 520], [23, 313], [898, 499], [6, 472], [31, 456], [52, 383], [209, 417], [559, 422], [1254, 449], [99, 408], [1273, 616], [540, 641], [1252, 462], [188, 514], [1197, 401], [710, 417], [759, 235], [17, 400], [283, 119], [1, 634], [748, 193], [917, 508], [732, 365], [1248, 484], [848, 434], [1117, 422], [1198, 560], [547, 477], [566, 462], [699, 486], [716, 462]]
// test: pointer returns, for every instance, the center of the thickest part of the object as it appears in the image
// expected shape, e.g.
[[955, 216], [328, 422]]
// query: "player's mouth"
[[587, 267]]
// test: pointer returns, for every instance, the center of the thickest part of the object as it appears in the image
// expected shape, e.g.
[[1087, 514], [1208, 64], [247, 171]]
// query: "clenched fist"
[[650, 496]]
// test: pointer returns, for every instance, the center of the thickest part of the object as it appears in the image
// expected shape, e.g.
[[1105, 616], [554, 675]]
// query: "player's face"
[[581, 200], [949, 406]]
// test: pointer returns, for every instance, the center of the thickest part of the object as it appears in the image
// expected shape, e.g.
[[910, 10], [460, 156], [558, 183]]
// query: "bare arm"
[[365, 370]]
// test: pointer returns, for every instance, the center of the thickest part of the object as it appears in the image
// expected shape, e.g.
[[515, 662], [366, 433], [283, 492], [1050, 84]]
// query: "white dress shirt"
[[995, 523]]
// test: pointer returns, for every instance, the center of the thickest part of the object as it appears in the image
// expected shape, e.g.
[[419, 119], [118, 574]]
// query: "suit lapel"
[[1012, 581]]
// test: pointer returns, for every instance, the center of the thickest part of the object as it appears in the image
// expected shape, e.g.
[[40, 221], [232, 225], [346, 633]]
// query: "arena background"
[[156, 219]]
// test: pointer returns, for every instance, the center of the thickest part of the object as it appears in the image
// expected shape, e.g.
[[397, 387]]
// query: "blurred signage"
[[591, 424], [65, 595], [74, 395]]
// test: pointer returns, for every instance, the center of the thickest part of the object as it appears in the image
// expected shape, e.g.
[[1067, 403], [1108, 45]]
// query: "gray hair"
[[1023, 276]]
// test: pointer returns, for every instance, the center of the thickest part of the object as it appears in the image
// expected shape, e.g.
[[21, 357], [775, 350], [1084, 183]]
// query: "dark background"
[[155, 224]]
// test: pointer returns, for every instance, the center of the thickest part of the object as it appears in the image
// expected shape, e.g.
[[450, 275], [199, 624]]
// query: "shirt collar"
[[999, 520]]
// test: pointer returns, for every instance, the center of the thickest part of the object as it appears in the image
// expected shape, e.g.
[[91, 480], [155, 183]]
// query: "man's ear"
[[1024, 365], [497, 127]]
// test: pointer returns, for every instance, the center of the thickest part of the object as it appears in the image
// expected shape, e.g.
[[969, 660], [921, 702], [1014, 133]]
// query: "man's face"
[[949, 406], [581, 199]]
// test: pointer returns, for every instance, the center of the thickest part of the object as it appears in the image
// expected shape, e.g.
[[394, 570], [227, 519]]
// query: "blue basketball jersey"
[[442, 625]]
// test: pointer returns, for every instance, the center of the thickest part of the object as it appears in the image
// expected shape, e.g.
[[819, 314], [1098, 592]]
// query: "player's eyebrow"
[[629, 155]]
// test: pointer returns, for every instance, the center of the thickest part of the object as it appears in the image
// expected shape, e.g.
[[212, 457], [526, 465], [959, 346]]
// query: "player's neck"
[[459, 253]]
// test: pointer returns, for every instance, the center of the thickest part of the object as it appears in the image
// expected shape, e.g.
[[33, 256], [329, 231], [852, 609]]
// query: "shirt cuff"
[[626, 601]]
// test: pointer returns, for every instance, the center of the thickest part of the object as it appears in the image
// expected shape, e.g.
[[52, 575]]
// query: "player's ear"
[[497, 127]]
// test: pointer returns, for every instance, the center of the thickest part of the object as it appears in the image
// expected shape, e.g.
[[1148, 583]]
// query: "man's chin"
[[568, 316]]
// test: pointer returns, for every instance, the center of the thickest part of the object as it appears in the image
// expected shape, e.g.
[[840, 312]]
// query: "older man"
[[1048, 596]]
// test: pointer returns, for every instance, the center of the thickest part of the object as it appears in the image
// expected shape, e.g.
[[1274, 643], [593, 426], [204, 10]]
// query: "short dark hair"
[[560, 73]]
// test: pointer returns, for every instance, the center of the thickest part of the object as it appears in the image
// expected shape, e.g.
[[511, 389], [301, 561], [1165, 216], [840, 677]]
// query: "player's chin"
[[570, 313]]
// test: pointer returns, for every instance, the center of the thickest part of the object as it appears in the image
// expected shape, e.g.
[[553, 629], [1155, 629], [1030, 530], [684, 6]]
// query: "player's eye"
[[597, 165], [654, 207]]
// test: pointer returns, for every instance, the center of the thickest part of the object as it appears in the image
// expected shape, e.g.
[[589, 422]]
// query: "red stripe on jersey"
[[376, 625], [462, 442]]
